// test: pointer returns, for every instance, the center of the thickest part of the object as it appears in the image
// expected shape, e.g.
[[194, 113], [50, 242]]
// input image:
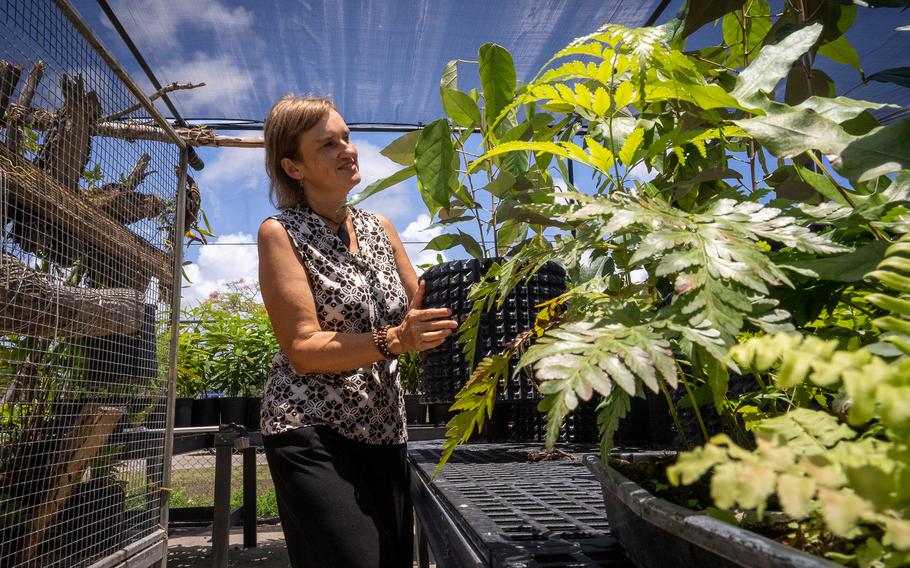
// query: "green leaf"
[[897, 75], [379, 185], [700, 12], [501, 184], [841, 51], [796, 494], [449, 79], [497, 78], [460, 107], [850, 267], [806, 432], [450, 240], [882, 151], [773, 63], [401, 150], [434, 155], [837, 109], [630, 146]]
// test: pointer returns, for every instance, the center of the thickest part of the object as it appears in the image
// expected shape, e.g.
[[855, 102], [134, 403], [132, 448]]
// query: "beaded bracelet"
[[381, 341]]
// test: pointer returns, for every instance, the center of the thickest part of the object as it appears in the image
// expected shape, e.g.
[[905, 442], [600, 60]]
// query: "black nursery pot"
[[183, 412], [444, 370], [232, 409], [656, 532], [205, 412], [415, 411], [253, 409]]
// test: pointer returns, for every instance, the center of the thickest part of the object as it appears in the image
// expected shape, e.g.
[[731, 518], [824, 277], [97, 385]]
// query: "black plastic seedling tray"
[[491, 506]]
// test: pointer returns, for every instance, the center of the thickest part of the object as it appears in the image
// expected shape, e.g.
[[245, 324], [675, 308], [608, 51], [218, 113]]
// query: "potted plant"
[[720, 213], [233, 341]]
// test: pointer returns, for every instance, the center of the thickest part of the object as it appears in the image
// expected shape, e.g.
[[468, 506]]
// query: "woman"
[[337, 284]]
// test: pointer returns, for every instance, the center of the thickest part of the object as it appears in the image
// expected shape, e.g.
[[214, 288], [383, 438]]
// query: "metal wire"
[[86, 280]]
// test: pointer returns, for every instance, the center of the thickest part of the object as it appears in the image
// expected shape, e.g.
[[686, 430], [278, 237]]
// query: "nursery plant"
[[228, 343], [754, 201]]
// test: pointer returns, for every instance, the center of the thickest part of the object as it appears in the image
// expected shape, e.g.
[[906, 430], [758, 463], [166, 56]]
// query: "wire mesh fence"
[[86, 278], [193, 483]]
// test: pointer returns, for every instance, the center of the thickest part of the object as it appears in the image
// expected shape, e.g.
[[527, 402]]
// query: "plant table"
[[490, 506]]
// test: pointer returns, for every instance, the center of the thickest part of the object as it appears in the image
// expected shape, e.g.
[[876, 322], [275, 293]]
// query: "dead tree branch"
[[31, 303], [157, 94]]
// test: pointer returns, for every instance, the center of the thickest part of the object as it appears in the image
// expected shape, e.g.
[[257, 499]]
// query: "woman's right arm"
[[289, 300]]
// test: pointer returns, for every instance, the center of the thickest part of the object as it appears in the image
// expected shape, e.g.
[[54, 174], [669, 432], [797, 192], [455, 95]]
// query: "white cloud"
[[161, 22], [418, 232], [228, 87], [218, 265], [640, 172], [241, 168], [373, 165]]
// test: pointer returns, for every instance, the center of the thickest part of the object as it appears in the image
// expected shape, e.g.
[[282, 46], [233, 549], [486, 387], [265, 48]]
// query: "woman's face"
[[326, 158]]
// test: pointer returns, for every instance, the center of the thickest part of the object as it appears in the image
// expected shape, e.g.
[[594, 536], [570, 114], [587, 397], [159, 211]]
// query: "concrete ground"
[[192, 548]]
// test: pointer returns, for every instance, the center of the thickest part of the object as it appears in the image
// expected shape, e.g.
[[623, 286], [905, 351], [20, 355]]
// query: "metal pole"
[[249, 497], [222, 516], [175, 334]]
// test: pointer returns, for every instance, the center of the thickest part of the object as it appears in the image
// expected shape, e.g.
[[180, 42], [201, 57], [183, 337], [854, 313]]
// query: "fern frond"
[[475, 404], [577, 358]]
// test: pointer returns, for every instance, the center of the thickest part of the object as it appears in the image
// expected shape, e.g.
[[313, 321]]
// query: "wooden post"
[[89, 434]]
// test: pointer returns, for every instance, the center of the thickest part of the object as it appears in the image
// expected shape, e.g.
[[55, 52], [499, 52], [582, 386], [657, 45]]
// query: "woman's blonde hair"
[[290, 117]]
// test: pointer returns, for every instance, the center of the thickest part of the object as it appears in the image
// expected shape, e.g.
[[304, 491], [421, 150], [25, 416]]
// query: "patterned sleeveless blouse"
[[354, 293]]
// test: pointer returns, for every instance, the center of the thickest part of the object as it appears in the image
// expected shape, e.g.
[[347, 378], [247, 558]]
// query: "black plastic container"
[[655, 532], [232, 410], [415, 411], [183, 412], [205, 412], [444, 370], [253, 410]]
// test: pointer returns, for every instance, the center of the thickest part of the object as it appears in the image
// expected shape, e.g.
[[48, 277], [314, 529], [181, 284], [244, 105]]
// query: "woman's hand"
[[421, 329]]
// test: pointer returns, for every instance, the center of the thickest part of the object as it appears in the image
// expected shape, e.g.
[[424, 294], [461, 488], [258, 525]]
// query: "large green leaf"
[[897, 75], [838, 109], [379, 185], [841, 51], [460, 107], [773, 64], [850, 267], [449, 79], [452, 240], [434, 156], [497, 78], [882, 151], [757, 16], [700, 12], [401, 150]]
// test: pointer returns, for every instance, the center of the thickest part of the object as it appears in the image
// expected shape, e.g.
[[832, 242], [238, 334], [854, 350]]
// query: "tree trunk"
[[32, 304]]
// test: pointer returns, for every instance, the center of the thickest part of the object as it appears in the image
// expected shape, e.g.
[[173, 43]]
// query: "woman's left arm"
[[405, 269]]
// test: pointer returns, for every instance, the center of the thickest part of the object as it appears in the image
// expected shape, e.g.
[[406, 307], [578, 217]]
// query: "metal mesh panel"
[[85, 285]]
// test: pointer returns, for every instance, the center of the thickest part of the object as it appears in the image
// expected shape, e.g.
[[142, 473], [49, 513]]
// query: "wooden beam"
[[88, 436], [32, 304], [42, 120], [130, 259]]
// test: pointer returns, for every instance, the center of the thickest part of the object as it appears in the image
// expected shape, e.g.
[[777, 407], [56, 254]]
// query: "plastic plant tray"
[[514, 512]]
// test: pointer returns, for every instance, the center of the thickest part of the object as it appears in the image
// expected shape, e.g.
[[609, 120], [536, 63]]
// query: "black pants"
[[343, 504]]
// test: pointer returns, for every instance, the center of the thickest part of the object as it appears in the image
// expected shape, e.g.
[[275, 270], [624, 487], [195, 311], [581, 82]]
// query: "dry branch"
[[41, 120], [35, 74], [32, 304], [9, 78], [88, 436], [119, 200], [157, 94], [68, 143], [128, 259]]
